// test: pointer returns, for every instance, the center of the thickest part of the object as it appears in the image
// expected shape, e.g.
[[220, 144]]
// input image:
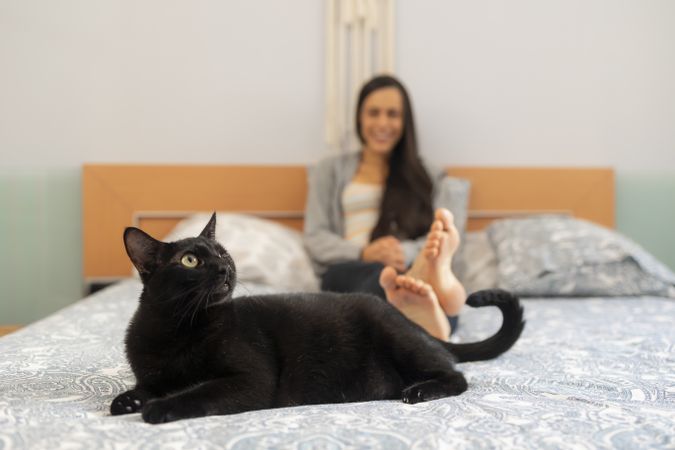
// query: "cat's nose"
[[222, 270]]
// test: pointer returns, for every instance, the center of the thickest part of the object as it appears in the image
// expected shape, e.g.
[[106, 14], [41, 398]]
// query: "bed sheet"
[[587, 373]]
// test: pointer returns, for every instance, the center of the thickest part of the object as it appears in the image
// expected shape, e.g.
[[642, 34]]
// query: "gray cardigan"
[[324, 218]]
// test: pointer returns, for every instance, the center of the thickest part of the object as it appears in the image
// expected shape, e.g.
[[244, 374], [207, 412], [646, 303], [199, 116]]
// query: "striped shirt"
[[361, 208]]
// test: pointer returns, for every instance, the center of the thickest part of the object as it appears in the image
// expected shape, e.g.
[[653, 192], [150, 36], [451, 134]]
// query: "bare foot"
[[417, 301], [432, 265]]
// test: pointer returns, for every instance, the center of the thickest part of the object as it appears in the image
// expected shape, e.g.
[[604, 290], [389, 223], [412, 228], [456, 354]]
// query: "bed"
[[595, 367]]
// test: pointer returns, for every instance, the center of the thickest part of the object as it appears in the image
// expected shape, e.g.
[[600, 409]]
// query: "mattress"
[[587, 373]]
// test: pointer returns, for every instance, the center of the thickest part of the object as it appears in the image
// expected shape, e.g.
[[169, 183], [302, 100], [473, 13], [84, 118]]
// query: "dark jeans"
[[360, 276]]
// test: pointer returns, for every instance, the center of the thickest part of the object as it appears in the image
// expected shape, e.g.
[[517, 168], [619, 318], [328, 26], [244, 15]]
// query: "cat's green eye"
[[189, 260]]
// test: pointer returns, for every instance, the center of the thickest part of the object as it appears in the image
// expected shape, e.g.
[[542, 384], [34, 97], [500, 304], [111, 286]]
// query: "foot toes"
[[431, 252], [388, 278], [436, 235], [445, 217], [434, 239], [404, 280]]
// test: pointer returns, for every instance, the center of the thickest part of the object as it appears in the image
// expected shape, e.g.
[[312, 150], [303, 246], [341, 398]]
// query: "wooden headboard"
[[156, 197]]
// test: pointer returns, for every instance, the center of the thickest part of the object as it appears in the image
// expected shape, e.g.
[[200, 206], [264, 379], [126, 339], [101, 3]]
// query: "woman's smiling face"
[[381, 120]]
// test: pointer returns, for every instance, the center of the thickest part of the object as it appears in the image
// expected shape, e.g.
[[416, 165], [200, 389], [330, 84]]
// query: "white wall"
[[160, 81], [531, 82], [523, 82]]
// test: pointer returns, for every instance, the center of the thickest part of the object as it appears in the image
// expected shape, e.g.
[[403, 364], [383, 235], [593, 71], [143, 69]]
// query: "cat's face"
[[196, 271]]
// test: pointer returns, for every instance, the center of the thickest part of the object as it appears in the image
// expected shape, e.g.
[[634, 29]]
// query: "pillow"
[[263, 251], [453, 194], [563, 256], [476, 262]]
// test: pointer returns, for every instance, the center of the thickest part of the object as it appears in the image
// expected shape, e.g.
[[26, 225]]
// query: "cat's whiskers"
[[184, 303], [211, 301], [178, 294], [190, 308], [184, 300], [195, 307], [204, 298], [244, 287]]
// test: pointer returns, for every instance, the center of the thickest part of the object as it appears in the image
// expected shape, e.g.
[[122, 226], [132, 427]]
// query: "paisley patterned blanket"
[[587, 373]]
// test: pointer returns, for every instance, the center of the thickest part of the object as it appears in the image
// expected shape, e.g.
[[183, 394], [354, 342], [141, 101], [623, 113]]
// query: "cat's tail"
[[507, 335]]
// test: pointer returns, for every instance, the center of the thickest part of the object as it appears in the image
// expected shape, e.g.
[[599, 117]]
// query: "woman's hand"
[[387, 250]]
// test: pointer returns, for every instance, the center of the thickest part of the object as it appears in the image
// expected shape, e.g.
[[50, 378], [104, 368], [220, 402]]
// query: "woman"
[[370, 225]]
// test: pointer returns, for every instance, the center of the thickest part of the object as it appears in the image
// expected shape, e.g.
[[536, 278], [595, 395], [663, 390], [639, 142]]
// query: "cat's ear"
[[209, 230], [142, 250]]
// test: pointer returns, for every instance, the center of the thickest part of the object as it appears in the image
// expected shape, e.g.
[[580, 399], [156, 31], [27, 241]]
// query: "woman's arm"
[[321, 237]]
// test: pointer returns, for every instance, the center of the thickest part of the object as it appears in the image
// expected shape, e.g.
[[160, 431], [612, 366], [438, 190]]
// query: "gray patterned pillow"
[[476, 262], [263, 251], [453, 193], [563, 256]]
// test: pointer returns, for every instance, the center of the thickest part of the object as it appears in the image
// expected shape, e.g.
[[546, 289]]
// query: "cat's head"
[[197, 270]]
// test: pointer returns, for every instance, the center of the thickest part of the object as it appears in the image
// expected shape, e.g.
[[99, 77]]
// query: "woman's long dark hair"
[[406, 210]]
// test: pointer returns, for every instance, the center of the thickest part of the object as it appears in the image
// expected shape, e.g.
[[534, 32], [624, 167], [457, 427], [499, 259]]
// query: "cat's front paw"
[[127, 403], [412, 395], [158, 411], [170, 409], [453, 384]]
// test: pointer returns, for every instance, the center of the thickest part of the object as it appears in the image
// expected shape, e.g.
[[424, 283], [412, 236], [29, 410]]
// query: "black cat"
[[197, 351]]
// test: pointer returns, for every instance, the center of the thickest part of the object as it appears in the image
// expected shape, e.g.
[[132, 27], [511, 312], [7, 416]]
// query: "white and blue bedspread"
[[587, 373]]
